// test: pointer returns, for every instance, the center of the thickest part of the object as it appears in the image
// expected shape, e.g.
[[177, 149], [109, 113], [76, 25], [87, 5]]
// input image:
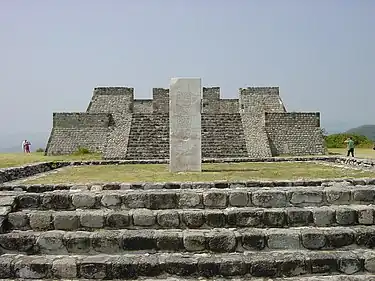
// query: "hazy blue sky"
[[53, 53]]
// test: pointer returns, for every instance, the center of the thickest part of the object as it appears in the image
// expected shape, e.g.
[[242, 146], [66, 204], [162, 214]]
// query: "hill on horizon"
[[365, 130]]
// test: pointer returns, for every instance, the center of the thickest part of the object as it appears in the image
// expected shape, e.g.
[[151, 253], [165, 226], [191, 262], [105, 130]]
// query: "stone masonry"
[[189, 231], [255, 125]]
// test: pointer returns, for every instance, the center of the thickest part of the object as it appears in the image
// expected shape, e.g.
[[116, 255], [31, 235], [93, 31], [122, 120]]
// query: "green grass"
[[359, 152], [19, 159], [211, 172]]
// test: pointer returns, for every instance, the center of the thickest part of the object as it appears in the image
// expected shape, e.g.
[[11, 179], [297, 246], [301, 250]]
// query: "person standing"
[[27, 146], [350, 146], [23, 146]]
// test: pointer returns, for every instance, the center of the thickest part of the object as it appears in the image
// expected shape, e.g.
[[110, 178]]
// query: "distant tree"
[[338, 140]]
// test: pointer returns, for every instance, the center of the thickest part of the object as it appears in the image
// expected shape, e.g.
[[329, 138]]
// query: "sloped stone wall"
[[73, 130], [294, 133]]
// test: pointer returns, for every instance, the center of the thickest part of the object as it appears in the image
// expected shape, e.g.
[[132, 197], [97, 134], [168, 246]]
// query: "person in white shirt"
[[23, 145]]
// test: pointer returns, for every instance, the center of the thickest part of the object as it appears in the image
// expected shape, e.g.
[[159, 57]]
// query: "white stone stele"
[[185, 134]]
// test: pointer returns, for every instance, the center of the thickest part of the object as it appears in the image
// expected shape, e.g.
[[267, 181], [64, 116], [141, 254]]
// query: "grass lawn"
[[19, 159], [359, 152], [211, 172]]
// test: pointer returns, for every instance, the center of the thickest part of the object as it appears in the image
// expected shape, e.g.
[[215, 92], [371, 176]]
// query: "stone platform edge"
[[16, 173]]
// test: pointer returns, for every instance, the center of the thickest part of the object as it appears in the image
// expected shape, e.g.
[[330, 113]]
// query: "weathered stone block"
[[18, 241], [179, 265], [40, 220], [51, 242], [346, 216], [185, 96], [365, 237], [349, 264], [267, 199], [338, 196], [82, 200], [32, 267], [223, 241], [66, 221], [253, 240], [94, 267], [190, 200], [194, 241], [323, 263], [77, 242], [92, 219], [143, 217], [111, 200], [365, 215], [283, 239], [313, 239], [232, 266], [303, 197], [106, 242], [364, 195], [238, 199], [7, 200], [138, 240], [324, 216], [339, 237], [168, 219], [56, 201], [215, 199], [6, 267], [251, 217], [169, 241], [369, 263], [18, 220], [163, 200], [299, 217], [64, 268], [118, 220], [135, 200], [193, 219], [215, 218], [26, 201], [274, 218]]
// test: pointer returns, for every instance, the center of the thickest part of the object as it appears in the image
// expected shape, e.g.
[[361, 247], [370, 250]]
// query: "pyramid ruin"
[[255, 125]]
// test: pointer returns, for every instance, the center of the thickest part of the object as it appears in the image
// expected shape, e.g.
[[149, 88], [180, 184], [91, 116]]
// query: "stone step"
[[268, 264], [175, 240], [337, 277], [194, 218], [160, 196]]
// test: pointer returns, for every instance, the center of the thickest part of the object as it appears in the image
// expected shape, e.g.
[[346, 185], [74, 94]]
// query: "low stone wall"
[[15, 173]]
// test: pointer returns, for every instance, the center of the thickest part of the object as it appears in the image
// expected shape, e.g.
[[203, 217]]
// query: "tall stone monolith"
[[185, 135]]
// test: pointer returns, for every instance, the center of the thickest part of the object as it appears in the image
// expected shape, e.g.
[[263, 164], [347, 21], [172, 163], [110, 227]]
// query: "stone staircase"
[[149, 137], [223, 136], [177, 234]]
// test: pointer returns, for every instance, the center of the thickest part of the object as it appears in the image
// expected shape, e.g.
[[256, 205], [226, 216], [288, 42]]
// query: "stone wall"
[[74, 130], [145, 106], [260, 99], [229, 106], [160, 101], [112, 99], [81, 120], [294, 133]]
